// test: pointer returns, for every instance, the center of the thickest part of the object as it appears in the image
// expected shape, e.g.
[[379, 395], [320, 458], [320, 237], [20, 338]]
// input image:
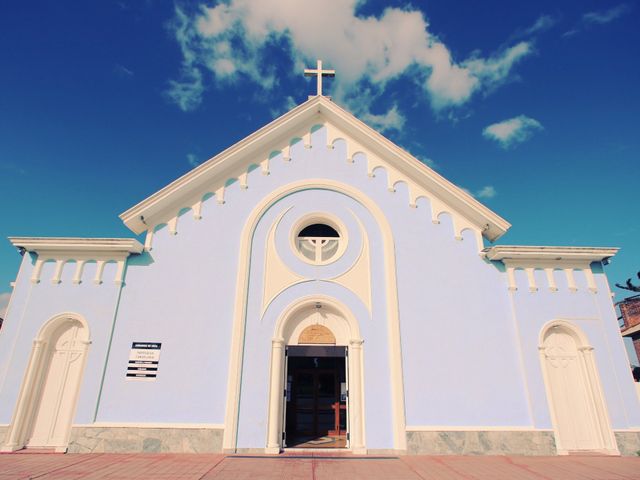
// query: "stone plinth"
[[141, 439], [535, 442]]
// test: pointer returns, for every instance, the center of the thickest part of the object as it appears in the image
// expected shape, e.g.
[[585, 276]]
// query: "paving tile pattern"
[[312, 466]]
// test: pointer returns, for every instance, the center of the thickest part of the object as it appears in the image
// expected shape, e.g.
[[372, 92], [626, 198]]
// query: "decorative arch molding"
[[242, 286], [347, 333], [287, 330], [36, 379], [576, 332], [54, 322], [570, 351]]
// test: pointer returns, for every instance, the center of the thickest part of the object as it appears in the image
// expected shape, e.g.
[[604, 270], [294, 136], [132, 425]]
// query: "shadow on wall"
[[498, 265], [144, 259]]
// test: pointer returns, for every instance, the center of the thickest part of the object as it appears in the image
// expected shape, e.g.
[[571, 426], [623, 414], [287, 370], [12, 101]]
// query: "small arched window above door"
[[317, 334]]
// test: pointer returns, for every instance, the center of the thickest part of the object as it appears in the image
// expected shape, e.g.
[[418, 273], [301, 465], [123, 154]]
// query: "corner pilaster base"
[[10, 448]]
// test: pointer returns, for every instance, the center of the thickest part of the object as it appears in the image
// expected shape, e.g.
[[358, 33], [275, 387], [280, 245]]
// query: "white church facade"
[[313, 286]]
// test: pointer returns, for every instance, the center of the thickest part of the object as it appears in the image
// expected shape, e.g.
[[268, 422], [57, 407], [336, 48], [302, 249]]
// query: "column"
[[119, 280], [99, 268], [58, 273], [512, 279], [532, 279], [591, 281], [15, 438], [356, 411], [35, 276], [571, 281], [596, 401], [275, 397], [77, 278], [551, 279]]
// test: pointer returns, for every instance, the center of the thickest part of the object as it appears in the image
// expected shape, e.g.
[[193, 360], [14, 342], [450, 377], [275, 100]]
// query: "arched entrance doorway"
[[577, 406], [49, 393], [316, 379]]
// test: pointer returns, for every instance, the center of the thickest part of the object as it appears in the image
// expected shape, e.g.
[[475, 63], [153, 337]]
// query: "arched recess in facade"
[[576, 402], [49, 393], [344, 326], [242, 285]]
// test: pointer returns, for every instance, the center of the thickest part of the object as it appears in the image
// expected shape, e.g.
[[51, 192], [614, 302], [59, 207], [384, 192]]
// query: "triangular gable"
[[232, 163]]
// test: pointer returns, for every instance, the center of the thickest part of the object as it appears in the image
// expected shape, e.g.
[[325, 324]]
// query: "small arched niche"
[[49, 394], [576, 401]]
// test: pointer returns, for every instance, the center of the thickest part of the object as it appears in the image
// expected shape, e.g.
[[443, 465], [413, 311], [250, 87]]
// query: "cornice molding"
[[84, 246], [548, 259], [546, 255], [223, 166], [63, 250]]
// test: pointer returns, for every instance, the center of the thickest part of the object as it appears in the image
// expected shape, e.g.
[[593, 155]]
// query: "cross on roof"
[[319, 73]]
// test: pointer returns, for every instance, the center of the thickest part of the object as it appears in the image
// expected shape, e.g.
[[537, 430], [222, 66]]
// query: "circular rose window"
[[319, 243]]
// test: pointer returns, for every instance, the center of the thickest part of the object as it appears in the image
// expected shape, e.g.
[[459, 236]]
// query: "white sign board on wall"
[[143, 361]]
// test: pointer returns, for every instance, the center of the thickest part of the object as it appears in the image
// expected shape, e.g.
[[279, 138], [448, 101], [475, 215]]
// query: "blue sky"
[[531, 106]]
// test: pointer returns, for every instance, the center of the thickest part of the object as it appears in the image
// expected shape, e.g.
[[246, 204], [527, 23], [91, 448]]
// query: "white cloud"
[[4, 303], [542, 24], [186, 92], [605, 16], [391, 120], [192, 160], [122, 71], [601, 17], [233, 40], [429, 162], [488, 191], [571, 33], [288, 104], [511, 132], [493, 71]]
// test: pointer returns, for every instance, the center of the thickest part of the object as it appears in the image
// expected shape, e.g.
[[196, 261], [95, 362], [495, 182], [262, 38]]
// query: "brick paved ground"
[[316, 466]]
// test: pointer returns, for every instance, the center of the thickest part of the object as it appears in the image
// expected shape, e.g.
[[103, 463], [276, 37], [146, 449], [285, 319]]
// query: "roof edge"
[[413, 167], [492, 225], [133, 217]]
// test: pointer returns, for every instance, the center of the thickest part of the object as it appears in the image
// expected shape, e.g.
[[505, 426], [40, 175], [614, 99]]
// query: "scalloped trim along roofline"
[[217, 169], [77, 245], [526, 252]]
